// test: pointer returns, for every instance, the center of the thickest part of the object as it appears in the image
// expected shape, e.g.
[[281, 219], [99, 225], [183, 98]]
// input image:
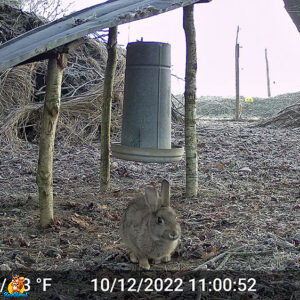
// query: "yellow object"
[[249, 99], [10, 289]]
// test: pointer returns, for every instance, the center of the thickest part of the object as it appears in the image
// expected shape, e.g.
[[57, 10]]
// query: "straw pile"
[[22, 90], [288, 117]]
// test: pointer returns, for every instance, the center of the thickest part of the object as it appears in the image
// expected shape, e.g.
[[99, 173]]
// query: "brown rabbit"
[[149, 228]]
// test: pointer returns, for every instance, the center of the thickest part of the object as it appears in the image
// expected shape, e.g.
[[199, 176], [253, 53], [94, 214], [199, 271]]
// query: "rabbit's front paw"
[[167, 258], [133, 257], [144, 263], [157, 261]]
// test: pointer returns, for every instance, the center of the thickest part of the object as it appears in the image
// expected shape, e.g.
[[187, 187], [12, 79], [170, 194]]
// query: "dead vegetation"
[[80, 115], [22, 91], [259, 109], [14, 22], [245, 219], [288, 117]]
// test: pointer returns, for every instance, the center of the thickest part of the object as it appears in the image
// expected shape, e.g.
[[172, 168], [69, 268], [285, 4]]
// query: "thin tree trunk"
[[48, 127], [237, 77], [190, 103], [268, 73], [106, 108]]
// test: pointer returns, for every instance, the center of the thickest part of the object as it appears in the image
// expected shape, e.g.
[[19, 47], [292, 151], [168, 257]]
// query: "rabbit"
[[149, 228]]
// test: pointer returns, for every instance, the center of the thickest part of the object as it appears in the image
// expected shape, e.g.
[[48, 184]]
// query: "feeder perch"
[[146, 124]]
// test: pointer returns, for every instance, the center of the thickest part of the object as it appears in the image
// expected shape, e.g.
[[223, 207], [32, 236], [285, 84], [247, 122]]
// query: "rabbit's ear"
[[152, 199], [165, 193]]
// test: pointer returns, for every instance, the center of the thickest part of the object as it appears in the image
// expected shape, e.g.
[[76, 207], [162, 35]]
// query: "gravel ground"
[[246, 217]]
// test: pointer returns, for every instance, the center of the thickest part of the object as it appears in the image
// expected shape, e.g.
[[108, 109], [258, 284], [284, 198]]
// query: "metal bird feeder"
[[146, 126]]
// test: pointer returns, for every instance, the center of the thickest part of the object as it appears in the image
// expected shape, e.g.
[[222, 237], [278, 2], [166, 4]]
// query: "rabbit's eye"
[[159, 220]]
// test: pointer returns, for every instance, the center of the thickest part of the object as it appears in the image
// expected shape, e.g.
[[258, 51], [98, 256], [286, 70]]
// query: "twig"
[[223, 263], [210, 261], [249, 253], [177, 77], [217, 258], [228, 254], [180, 102], [280, 241]]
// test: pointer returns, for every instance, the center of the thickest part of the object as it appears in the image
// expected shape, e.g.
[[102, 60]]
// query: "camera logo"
[[16, 287]]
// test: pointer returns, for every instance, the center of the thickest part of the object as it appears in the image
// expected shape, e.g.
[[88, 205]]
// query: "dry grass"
[[82, 87], [16, 86], [22, 88], [288, 117], [78, 123]]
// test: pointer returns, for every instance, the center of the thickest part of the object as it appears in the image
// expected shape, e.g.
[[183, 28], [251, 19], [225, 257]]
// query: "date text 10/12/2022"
[[173, 285]]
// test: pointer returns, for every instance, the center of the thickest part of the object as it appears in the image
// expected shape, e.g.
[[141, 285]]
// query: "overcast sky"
[[263, 24]]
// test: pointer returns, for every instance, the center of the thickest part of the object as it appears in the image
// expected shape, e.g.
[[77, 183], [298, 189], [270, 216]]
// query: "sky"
[[263, 24]]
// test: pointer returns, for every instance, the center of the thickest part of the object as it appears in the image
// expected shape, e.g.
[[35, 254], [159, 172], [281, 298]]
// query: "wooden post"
[[237, 76], [106, 108], [268, 74], [190, 103], [44, 176]]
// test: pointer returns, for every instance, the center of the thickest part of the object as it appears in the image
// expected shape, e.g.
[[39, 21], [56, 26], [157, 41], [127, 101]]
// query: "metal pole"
[[268, 74], [237, 77]]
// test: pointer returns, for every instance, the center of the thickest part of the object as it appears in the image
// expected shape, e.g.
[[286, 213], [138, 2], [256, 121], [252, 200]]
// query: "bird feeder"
[[146, 124]]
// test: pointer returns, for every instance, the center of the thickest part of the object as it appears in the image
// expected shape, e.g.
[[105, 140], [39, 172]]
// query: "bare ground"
[[246, 216]]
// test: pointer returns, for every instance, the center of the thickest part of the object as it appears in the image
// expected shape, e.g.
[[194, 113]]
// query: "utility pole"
[[237, 76], [268, 74]]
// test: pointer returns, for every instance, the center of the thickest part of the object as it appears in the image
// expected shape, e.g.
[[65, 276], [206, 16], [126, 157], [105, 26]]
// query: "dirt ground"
[[246, 217]]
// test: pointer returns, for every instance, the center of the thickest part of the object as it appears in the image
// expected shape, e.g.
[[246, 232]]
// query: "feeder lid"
[[147, 154]]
